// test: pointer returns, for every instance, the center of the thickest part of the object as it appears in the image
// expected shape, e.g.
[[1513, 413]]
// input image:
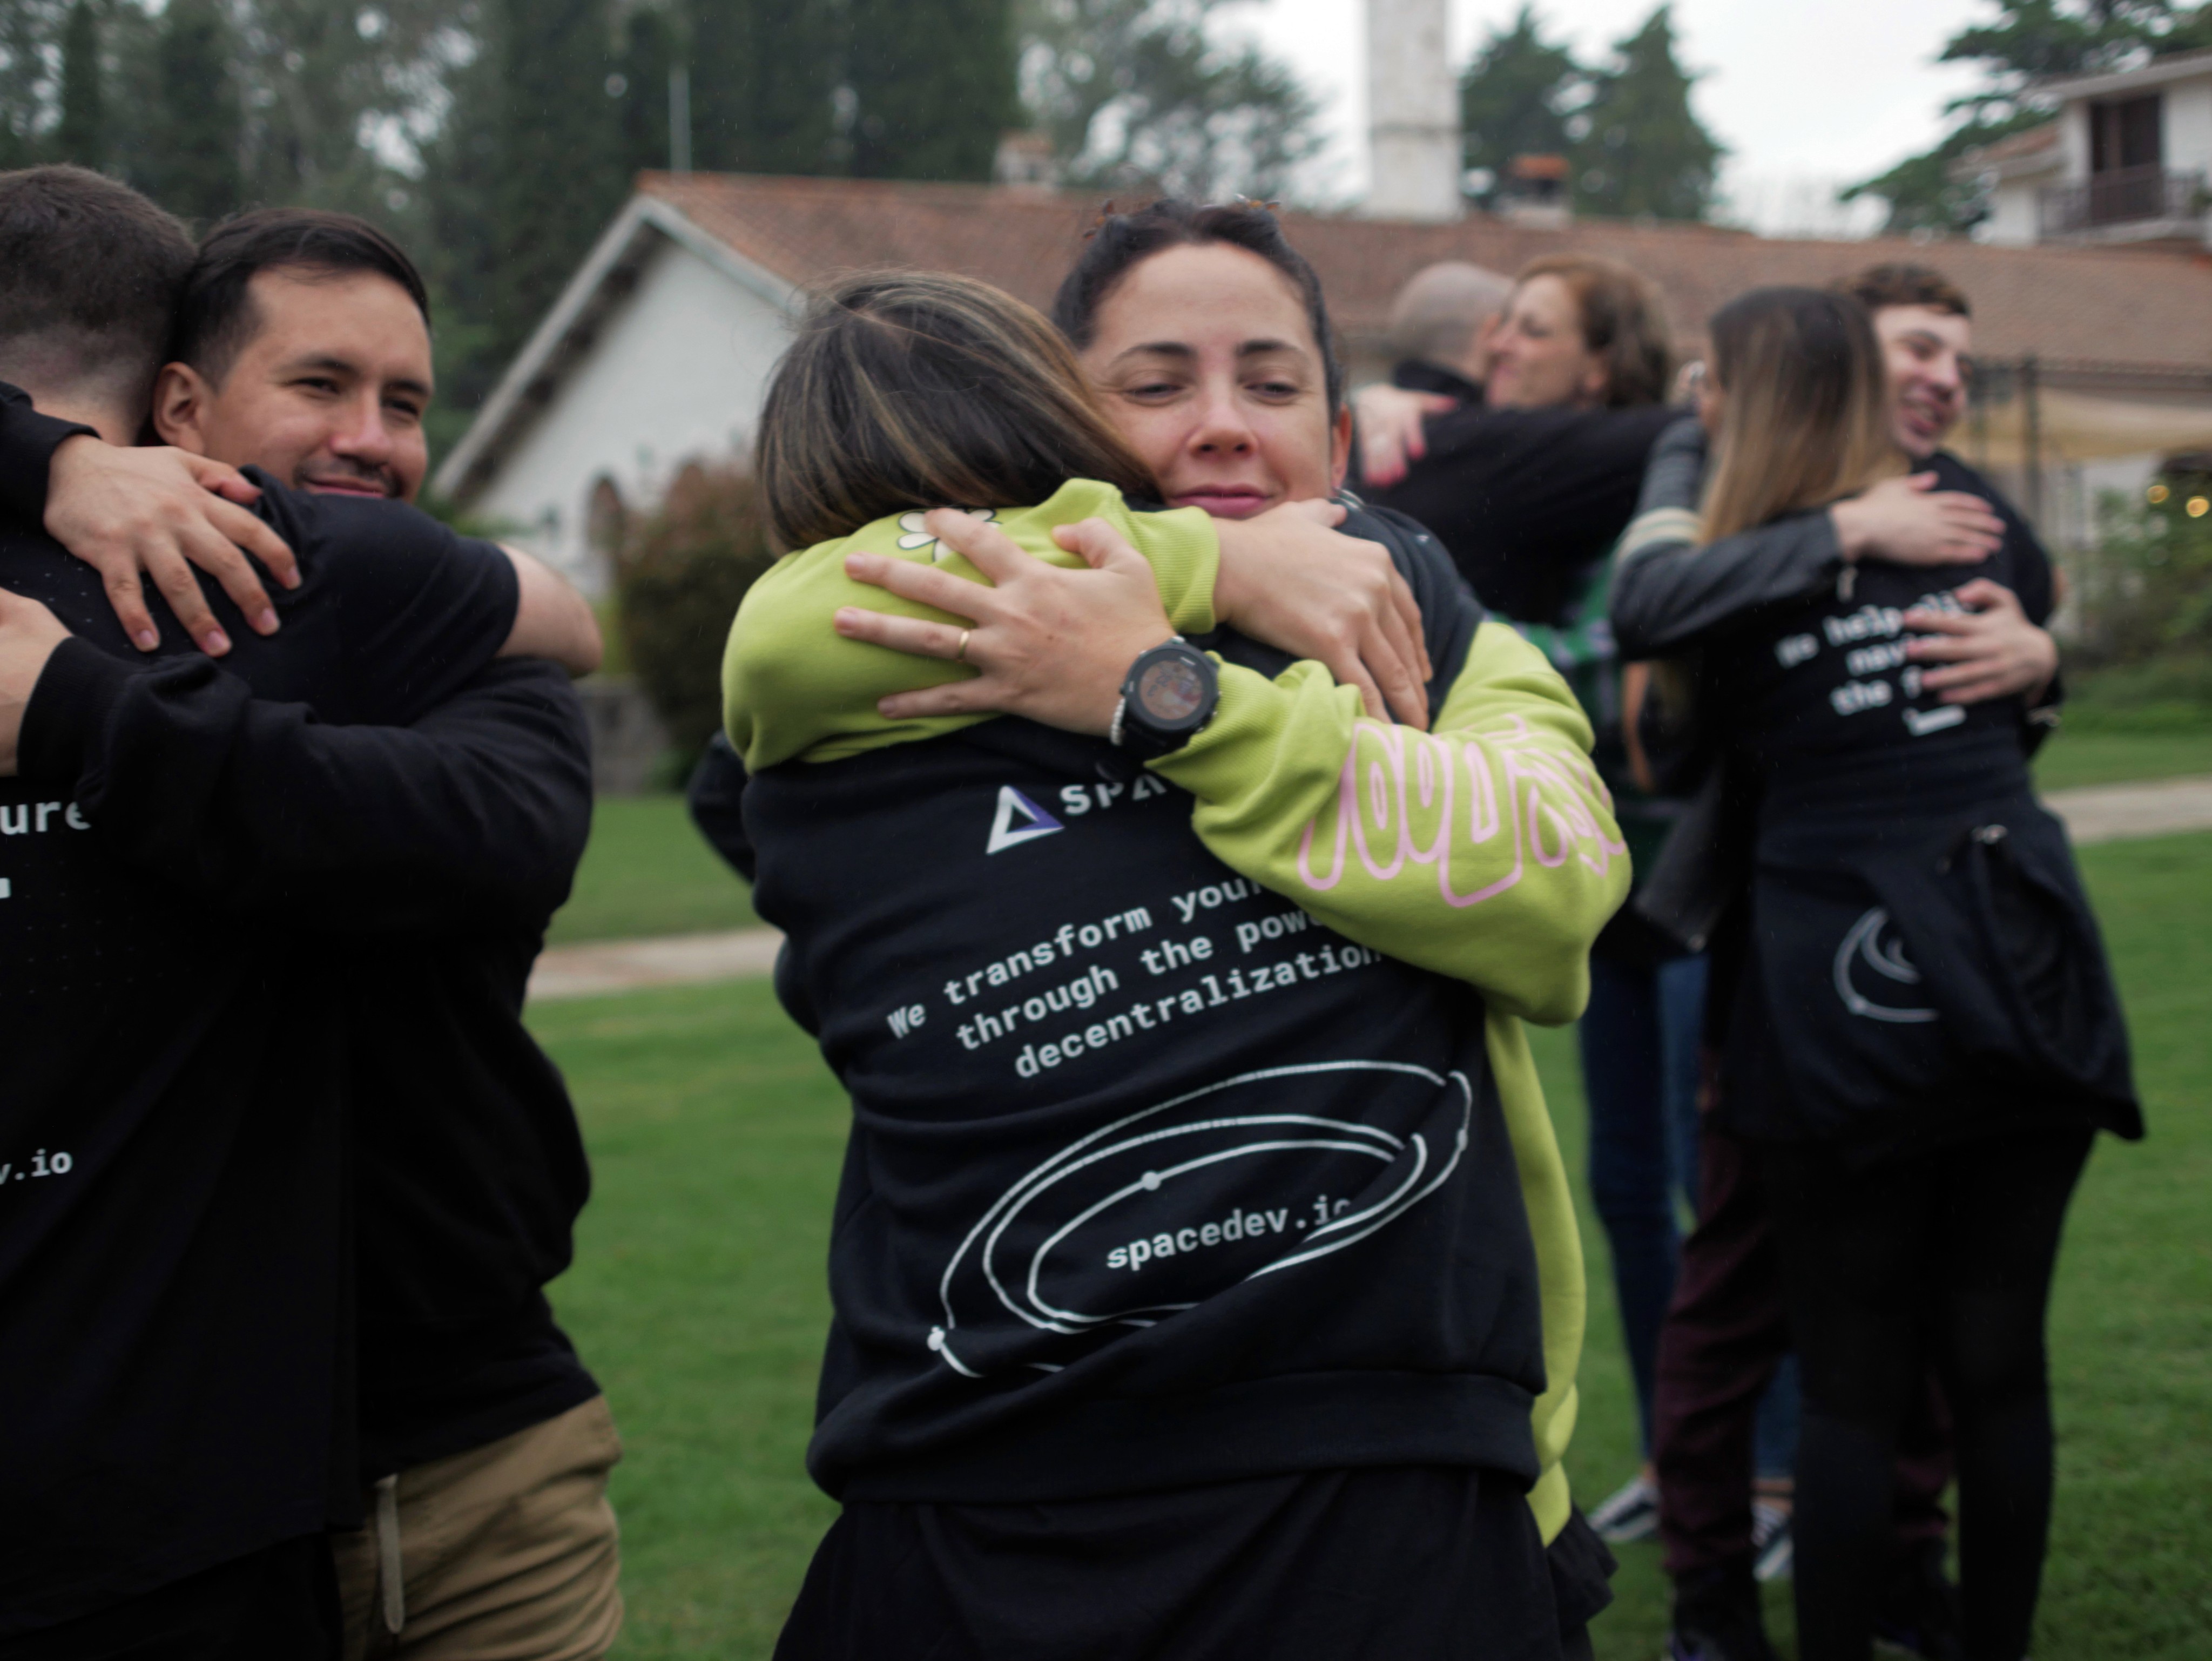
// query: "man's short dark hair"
[[216, 315], [1902, 284], [90, 270]]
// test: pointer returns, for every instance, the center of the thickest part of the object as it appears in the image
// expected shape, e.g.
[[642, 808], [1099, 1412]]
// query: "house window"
[[2125, 133]]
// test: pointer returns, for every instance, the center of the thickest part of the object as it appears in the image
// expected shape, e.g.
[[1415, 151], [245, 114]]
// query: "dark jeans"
[[1725, 1336], [1639, 1050], [1943, 1260]]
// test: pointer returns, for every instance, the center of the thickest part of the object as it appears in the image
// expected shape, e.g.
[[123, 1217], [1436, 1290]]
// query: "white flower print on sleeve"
[[917, 534]]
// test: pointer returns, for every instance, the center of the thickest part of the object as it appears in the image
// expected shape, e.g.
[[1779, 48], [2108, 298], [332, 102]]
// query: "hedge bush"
[[679, 574], [2146, 586]]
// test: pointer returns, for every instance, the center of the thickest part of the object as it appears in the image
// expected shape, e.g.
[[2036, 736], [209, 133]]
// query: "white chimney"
[[1412, 113]]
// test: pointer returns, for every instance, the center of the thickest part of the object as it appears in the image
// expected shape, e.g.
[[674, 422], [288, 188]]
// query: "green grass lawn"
[[648, 872], [2097, 757], [698, 1299]]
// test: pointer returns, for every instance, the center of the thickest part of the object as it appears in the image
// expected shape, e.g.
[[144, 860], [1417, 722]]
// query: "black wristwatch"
[[1169, 694]]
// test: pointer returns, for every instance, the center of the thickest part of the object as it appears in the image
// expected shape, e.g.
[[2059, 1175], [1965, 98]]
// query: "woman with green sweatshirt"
[[1205, 1276]]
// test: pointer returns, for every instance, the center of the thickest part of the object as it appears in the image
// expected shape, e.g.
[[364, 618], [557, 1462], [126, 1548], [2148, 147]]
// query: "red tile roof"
[[2136, 310]]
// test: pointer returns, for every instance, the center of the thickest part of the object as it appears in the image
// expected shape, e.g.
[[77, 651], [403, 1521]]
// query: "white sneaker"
[[1631, 1512]]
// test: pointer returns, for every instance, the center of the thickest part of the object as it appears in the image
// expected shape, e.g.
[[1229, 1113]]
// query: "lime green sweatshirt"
[[1484, 850]]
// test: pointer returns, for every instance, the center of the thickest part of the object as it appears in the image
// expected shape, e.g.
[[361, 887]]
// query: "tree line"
[[498, 137], [1635, 148]]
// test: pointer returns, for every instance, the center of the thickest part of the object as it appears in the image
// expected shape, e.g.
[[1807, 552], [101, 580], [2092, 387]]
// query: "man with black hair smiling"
[[437, 849]]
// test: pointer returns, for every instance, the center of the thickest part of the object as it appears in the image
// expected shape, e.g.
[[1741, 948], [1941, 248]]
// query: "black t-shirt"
[[172, 1216], [1820, 692], [1526, 501], [1153, 1181], [471, 1173], [1916, 950]]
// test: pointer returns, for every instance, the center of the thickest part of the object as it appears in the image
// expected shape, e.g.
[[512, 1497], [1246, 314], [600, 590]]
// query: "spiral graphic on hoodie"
[[1871, 966], [1170, 1205]]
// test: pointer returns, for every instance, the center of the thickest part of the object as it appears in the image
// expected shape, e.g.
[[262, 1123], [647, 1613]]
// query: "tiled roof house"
[[659, 351]]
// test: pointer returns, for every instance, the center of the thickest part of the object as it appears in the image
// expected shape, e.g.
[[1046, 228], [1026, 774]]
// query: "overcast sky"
[[1806, 94]]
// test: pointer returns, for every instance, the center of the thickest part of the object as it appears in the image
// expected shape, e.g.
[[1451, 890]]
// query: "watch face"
[[1170, 691]]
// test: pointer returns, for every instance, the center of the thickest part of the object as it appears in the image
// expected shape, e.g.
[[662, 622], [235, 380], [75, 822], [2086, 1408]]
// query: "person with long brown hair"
[[1914, 1026], [1529, 449], [1527, 473], [1194, 1285]]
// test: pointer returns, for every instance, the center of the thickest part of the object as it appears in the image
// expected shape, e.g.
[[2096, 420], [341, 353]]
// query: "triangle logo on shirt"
[[1018, 820]]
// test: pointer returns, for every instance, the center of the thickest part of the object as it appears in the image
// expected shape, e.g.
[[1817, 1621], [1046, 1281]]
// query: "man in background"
[[1439, 333], [1517, 430], [1727, 1328]]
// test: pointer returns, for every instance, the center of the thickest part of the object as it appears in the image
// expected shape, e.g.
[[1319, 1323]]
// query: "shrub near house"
[[679, 575]]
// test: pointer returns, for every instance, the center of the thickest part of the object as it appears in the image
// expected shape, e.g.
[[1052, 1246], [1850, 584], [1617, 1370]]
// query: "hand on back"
[[1907, 521], [136, 513], [1054, 645], [1390, 435], [1991, 650], [1050, 643], [1290, 580], [28, 634]]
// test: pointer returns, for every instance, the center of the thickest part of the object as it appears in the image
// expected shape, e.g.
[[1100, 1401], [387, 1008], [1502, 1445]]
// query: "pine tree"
[[1135, 94], [195, 171], [28, 29], [639, 86], [82, 136], [933, 83], [1514, 98], [558, 179], [1646, 153], [765, 76], [460, 249]]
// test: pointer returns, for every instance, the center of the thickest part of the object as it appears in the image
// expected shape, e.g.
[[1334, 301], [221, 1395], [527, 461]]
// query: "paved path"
[[2119, 813], [618, 966], [2103, 813]]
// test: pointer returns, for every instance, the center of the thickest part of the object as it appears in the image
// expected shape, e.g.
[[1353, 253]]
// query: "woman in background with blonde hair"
[[1910, 1003], [1530, 451]]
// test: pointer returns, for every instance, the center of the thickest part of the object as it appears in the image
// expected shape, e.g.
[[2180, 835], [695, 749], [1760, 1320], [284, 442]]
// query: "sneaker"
[[1919, 1613], [1631, 1512], [1716, 1618], [1771, 1541]]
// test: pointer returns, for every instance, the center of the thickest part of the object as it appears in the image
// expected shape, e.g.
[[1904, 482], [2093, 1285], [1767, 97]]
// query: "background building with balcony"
[[2126, 159]]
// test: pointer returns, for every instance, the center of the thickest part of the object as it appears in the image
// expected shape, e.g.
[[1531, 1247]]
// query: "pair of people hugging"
[[1204, 1272]]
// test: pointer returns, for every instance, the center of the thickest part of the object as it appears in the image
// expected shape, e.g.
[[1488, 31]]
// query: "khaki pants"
[[505, 1553]]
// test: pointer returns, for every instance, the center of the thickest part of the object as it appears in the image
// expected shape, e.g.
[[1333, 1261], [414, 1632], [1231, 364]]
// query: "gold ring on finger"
[[960, 656]]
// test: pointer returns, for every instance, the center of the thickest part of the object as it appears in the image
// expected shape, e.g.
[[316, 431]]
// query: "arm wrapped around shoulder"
[[793, 687], [1486, 850]]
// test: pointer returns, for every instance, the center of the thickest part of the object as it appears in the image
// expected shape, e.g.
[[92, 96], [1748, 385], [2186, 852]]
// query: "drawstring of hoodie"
[[390, 1580]]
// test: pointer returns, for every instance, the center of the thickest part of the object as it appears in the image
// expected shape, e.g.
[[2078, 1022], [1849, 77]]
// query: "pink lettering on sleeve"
[[1543, 788]]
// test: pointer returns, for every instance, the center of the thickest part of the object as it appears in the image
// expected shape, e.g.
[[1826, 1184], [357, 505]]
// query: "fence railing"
[[2121, 196]]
